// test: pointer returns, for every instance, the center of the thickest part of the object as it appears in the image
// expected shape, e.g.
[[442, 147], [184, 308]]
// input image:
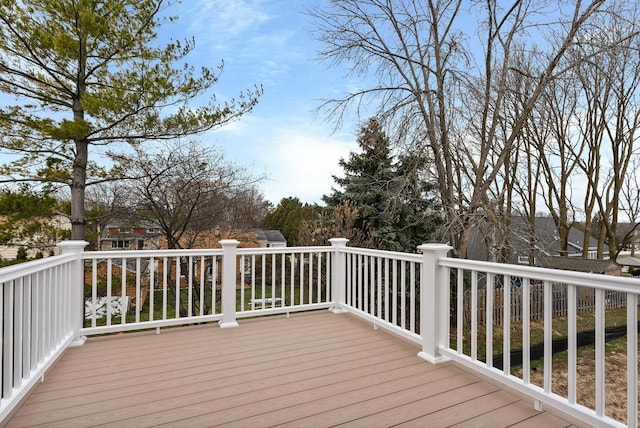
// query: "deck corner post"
[[76, 280], [338, 274], [229, 256], [434, 303]]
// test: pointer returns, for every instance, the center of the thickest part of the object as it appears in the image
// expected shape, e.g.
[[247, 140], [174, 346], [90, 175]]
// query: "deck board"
[[315, 369]]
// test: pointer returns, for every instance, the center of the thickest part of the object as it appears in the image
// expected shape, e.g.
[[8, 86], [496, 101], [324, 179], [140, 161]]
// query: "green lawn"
[[288, 299]]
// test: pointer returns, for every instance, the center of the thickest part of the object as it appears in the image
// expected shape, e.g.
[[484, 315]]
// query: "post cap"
[[72, 246], [435, 248], [339, 242]]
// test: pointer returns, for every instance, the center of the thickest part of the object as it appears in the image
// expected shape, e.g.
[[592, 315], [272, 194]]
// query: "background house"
[[271, 238], [605, 267], [44, 242], [125, 236], [520, 243]]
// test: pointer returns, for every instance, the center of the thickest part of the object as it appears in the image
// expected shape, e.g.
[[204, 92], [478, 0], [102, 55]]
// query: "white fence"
[[178, 287], [598, 296], [40, 315], [422, 297]]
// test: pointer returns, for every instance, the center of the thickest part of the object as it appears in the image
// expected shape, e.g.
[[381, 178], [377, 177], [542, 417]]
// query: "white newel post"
[[229, 247], [338, 274], [76, 276], [434, 302]]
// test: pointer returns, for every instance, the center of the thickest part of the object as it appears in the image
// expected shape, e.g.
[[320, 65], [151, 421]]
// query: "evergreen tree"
[[25, 218], [368, 176], [288, 217], [394, 202], [90, 73]]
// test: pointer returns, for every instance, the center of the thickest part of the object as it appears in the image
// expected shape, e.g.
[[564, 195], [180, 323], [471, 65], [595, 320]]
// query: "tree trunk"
[[602, 235], [460, 249], [78, 185]]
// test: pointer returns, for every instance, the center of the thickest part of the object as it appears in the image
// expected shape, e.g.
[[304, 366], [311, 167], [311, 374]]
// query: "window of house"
[[120, 243], [523, 260]]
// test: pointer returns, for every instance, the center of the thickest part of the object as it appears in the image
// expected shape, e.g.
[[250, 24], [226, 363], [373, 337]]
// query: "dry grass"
[[615, 378], [615, 359]]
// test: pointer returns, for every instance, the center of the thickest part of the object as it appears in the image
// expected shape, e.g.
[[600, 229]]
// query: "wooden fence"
[[585, 298]]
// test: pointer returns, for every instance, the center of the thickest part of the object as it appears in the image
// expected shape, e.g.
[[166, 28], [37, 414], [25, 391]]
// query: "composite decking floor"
[[311, 370]]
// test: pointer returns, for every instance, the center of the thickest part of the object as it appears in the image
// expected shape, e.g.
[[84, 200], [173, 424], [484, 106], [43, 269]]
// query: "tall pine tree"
[[395, 204], [87, 74]]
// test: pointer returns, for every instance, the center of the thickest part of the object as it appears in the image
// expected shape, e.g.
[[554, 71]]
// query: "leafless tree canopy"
[[188, 188], [490, 92]]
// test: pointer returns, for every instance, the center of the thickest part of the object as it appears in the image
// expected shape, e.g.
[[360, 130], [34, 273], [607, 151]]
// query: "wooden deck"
[[316, 369]]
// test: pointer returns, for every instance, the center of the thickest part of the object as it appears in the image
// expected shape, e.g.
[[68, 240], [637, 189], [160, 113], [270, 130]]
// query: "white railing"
[[177, 287], [478, 344], [284, 280], [384, 287], [40, 315], [472, 312], [464, 312]]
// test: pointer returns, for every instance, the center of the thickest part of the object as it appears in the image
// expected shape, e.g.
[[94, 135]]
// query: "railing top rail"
[[90, 255], [10, 273], [284, 250], [609, 282], [383, 253], [132, 254]]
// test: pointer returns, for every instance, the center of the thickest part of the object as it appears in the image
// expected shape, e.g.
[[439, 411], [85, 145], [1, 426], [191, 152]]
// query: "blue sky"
[[266, 42]]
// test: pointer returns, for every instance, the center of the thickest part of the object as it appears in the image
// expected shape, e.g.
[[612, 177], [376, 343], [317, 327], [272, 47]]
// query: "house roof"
[[578, 264], [545, 239], [622, 229], [628, 261], [134, 230], [270, 235]]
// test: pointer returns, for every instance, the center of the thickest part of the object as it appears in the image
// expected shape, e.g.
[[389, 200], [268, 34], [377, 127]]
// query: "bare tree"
[[104, 202], [610, 86], [187, 189], [558, 151], [631, 202], [444, 96], [338, 221]]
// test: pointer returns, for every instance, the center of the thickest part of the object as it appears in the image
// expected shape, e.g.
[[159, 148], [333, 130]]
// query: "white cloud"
[[298, 157], [225, 19], [301, 163]]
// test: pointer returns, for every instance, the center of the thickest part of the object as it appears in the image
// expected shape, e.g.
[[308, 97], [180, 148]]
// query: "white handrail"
[[497, 285], [21, 270], [608, 282], [35, 324]]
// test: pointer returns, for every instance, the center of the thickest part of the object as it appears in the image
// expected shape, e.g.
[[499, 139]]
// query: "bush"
[[22, 254]]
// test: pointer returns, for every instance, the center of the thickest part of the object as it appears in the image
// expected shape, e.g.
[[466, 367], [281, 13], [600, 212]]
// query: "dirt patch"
[[615, 375]]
